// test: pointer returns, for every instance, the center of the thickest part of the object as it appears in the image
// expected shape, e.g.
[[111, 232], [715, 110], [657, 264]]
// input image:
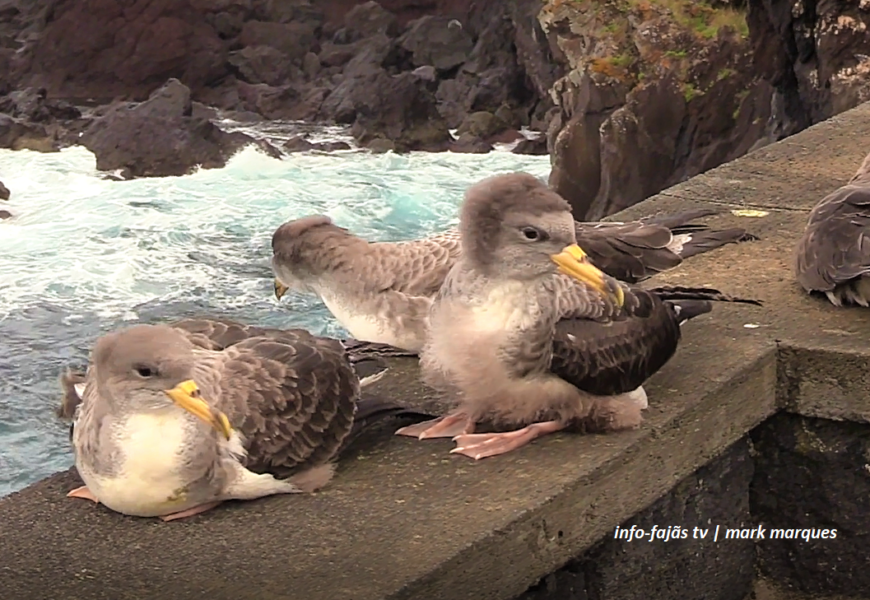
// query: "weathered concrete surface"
[[814, 473], [682, 569], [404, 519]]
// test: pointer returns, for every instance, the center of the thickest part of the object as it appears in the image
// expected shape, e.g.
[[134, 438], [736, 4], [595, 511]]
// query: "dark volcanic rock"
[[283, 102], [815, 54], [5, 214], [651, 101], [33, 105], [332, 55], [288, 11], [19, 134], [491, 77], [109, 48], [536, 147], [812, 474], [399, 108], [368, 19], [4, 192], [468, 143], [293, 40], [380, 145], [340, 105], [483, 125], [261, 64], [438, 41], [300, 144], [159, 137], [638, 144]]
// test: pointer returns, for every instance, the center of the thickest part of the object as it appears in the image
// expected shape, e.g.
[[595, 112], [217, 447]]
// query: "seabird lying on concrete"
[[527, 333], [382, 291], [833, 256], [173, 420]]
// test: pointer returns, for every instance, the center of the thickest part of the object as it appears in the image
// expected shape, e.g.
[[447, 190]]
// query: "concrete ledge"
[[406, 520]]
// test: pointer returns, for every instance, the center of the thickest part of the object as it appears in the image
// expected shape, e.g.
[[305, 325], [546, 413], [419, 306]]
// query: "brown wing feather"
[[298, 393], [417, 268], [630, 252], [605, 350], [638, 250], [218, 334], [618, 356], [835, 247]]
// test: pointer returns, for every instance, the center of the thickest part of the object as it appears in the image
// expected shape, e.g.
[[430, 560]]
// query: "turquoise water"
[[86, 254]]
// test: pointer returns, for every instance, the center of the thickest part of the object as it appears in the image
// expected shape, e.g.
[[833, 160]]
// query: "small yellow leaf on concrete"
[[748, 212]]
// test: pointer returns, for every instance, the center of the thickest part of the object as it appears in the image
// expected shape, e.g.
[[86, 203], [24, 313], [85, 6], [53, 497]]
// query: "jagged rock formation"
[[161, 136], [398, 71], [660, 90], [635, 94], [816, 53]]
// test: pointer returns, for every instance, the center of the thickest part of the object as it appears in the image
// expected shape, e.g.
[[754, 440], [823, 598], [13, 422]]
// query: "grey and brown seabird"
[[382, 291], [173, 420], [833, 255], [526, 333]]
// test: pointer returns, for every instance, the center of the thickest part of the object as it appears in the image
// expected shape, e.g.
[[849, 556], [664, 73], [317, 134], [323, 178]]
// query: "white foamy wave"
[[81, 240]]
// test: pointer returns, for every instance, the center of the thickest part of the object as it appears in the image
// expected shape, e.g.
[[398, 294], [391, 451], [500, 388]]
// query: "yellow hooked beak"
[[186, 395], [280, 289], [574, 263]]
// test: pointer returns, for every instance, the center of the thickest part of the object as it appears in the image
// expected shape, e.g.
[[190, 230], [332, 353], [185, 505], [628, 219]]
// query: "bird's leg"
[[83, 492], [451, 425], [190, 511], [481, 445]]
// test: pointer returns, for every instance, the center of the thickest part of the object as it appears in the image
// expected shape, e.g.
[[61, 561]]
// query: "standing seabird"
[[173, 420], [833, 256], [526, 333], [382, 291]]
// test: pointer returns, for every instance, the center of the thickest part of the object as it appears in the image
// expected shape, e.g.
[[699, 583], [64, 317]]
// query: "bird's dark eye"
[[144, 371], [532, 234]]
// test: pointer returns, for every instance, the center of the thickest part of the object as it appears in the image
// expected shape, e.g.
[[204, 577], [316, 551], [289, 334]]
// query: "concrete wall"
[[770, 403]]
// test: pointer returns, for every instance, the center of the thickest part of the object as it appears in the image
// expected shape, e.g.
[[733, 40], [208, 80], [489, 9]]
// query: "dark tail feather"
[[681, 220], [704, 241], [671, 293], [358, 348], [70, 399], [704, 238], [368, 359], [370, 411], [689, 309]]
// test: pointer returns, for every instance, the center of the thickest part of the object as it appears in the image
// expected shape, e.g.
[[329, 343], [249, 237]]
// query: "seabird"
[[833, 256], [526, 333], [175, 419], [382, 291]]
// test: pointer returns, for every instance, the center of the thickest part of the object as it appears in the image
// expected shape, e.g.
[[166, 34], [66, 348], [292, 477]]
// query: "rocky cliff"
[[635, 95], [660, 90]]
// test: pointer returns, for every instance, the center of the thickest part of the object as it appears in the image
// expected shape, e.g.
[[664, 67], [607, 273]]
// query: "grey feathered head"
[[148, 367], [514, 227], [497, 208], [300, 249]]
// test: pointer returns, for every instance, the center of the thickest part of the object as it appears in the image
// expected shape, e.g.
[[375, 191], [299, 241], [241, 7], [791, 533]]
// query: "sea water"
[[86, 254]]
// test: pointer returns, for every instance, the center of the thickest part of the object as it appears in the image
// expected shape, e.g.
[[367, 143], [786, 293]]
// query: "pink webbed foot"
[[447, 426], [190, 511], [482, 445], [83, 492]]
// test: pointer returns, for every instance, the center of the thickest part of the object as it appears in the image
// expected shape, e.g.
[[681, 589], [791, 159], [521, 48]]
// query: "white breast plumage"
[[148, 481], [507, 308], [362, 326]]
